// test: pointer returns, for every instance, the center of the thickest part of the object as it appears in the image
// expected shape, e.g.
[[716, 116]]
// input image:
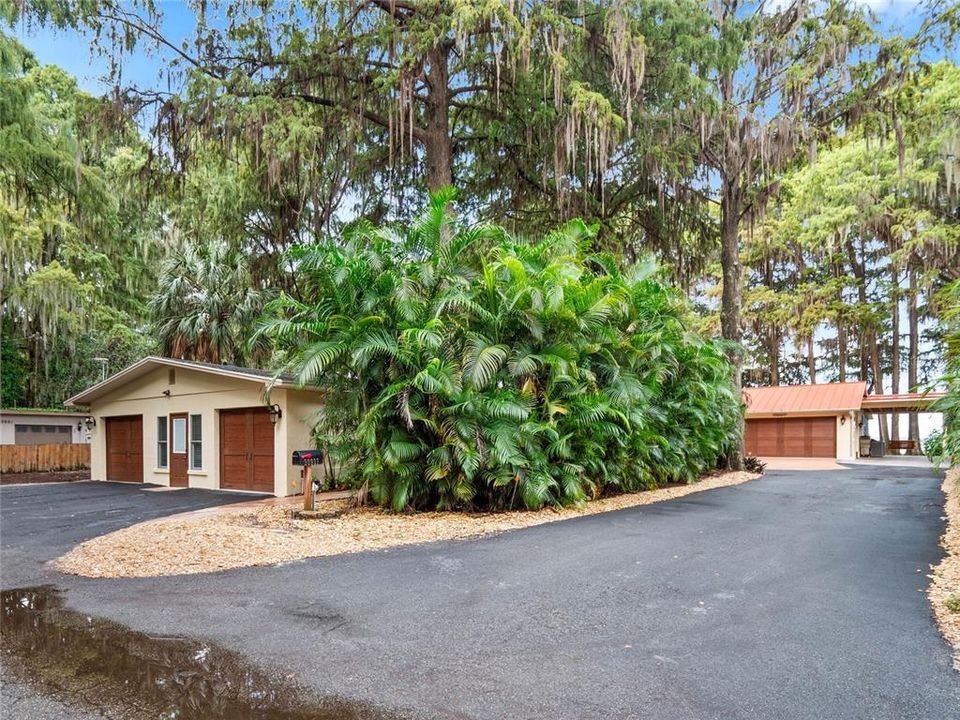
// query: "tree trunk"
[[869, 352], [773, 332], [841, 351], [878, 383], [895, 348], [864, 364], [841, 329], [859, 272], [913, 353], [773, 337], [811, 361], [438, 145], [731, 207], [34, 349], [731, 300]]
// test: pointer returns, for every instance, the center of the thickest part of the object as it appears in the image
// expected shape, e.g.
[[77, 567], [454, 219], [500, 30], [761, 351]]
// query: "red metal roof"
[[828, 398]]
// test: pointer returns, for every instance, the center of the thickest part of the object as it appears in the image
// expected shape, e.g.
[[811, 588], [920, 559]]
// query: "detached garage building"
[[804, 420], [41, 427], [192, 424]]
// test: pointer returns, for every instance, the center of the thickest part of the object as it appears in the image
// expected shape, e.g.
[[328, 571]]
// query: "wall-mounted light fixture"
[[275, 413], [79, 425], [90, 422]]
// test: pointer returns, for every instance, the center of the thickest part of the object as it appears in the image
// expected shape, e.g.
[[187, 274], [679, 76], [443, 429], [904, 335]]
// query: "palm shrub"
[[465, 368], [946, 446], [205, 303]]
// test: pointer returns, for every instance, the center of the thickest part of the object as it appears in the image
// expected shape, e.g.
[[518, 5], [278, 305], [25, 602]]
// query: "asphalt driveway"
[[799, 595], [40, 522]]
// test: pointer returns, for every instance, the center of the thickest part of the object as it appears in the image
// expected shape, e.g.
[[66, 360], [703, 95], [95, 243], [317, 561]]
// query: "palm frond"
[[481, 361]]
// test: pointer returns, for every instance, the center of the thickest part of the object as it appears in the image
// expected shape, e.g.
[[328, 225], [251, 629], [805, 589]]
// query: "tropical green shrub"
[[933, 445], [465, 368], [949, 405]]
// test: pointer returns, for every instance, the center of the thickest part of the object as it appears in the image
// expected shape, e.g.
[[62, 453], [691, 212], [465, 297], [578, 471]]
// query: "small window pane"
[[196, 442], [162, 442], [179, 435]]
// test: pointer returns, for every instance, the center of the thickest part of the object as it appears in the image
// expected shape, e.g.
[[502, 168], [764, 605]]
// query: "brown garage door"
[[246, 449], [792, 437], [125, 448]]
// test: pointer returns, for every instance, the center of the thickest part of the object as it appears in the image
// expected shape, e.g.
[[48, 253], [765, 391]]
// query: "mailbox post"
[[311, 486]]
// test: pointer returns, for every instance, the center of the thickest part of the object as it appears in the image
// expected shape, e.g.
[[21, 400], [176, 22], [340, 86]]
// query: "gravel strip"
[[945, 585], [267, 536]]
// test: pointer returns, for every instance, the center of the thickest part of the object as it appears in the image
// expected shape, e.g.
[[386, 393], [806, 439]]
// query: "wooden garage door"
[[125, 448], [792, 437], [246, 449]]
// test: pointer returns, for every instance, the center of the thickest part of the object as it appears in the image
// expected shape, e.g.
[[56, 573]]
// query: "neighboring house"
[[193, 424], [31, 426], [821, 420]]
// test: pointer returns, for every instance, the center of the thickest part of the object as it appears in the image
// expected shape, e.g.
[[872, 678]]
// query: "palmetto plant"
[[205, 304], [465, 368]]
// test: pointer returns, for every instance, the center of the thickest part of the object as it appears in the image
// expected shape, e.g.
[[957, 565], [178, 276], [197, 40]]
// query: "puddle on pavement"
[[126, 674]]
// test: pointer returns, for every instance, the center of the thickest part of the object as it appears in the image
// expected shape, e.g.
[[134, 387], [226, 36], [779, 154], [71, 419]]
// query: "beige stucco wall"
[[848, 436], [299, 410], [203, 393]]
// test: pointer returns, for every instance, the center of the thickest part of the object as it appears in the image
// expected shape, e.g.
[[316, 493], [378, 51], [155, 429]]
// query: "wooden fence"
[[43, 458]]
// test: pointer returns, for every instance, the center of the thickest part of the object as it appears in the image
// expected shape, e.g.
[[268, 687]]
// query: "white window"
[[179, 435], [196, 442], [162, 442]]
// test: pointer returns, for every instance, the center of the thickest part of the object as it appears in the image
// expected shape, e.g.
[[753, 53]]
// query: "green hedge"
[[465, 368]]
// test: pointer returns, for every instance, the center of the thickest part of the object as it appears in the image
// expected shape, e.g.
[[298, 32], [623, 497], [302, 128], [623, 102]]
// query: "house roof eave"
[[84, 398]]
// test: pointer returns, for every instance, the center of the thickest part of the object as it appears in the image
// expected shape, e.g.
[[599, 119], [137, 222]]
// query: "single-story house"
[[821, 420], [30, 426], [194, 424]]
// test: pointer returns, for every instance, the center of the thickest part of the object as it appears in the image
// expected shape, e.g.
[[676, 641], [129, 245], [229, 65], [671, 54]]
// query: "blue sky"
[[74, 51]]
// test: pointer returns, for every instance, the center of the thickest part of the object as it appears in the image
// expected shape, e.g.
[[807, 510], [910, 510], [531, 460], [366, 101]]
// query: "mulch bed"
[[944, 588], [44, 477], [267, 535]]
